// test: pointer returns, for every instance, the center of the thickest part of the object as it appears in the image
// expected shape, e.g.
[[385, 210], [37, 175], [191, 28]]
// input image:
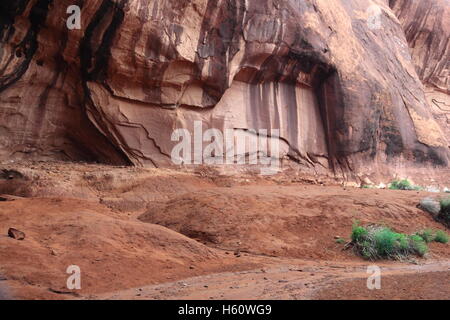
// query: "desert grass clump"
[[404, 184], [418, 246], [427, 235], [430, 235], [376, 242], [359, 233], [441, 236]]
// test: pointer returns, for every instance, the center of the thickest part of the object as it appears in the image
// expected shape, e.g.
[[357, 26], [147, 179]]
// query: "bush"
[[377, 242], [441, 237], [358, 233], [385, 242], [403, 185], [418, 245], [427, 235], [400, 185]]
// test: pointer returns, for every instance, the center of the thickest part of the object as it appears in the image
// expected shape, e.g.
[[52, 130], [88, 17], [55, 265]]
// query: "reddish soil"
[[162, 234], [417, 286]]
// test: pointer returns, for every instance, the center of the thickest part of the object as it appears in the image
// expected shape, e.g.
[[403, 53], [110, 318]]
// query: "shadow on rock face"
[[10, 175]]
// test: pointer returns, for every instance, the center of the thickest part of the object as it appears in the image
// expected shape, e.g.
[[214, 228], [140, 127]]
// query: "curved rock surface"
[[426, 24], [335, 76]]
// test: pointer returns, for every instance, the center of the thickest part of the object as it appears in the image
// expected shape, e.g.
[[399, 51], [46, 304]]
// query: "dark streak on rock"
[[29, 45], [94, 63]]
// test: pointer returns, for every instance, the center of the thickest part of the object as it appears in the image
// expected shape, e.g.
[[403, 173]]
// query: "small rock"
[[16, 234], [191, 267], [205, 286], [282, 281], [430, 205], [53, 252]]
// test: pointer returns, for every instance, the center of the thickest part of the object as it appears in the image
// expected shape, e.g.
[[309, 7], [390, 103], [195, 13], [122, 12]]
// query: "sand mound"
[[112, 253], [296, 221]]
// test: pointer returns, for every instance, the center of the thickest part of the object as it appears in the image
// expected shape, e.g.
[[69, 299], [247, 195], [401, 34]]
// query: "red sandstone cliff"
[[426, 24], [335, 76]]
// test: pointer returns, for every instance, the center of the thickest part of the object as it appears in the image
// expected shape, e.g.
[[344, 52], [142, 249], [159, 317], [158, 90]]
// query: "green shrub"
[[377, 242], [340, 241], [441, 237], [403, 241], [358, 233], [400, 185], [385, 242], [418, 246], [427, 235], [403, 185]]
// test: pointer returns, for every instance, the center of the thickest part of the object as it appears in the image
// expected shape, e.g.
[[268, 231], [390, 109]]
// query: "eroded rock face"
[[426, 24], [335, 76]]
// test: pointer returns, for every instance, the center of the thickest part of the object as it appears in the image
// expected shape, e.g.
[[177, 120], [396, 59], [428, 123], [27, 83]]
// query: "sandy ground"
[[304, 280], [163, 234]]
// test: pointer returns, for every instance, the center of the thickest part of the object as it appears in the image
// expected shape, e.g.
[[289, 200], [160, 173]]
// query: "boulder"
[[430, 205], [16, 234]]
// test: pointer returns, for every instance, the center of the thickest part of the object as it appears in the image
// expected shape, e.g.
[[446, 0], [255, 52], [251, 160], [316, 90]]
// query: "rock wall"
[[335, 76], [426, 25]]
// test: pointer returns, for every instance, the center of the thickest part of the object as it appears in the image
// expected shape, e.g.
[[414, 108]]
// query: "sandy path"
[[300, 281]]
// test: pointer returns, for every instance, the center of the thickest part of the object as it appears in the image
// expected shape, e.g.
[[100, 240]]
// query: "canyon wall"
[[334, 76], [426, 25]]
